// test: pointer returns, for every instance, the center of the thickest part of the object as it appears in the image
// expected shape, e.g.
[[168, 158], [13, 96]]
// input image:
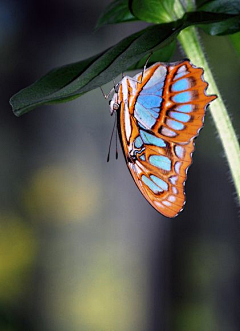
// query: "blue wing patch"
[[161, 162], [144, 116], [159, 182], [151, 139], [175, 125], [149, 101], [156, 89], [181, 85], [148, 104], [182, 97], [179, 116], [153, 187], [138, 142], [185, 108]]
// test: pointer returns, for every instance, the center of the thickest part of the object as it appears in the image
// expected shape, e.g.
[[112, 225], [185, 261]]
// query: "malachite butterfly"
[[159, 113]]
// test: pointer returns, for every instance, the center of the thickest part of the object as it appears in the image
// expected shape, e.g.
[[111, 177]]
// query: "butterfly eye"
[[115, 106]]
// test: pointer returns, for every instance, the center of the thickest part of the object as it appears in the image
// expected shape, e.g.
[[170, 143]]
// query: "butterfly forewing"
[[161, 113]]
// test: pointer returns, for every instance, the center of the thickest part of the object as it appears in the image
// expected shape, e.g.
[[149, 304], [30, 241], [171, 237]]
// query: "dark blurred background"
[[80, 248]]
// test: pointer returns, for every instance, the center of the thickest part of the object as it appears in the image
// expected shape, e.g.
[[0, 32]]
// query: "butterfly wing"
[[159, 118]]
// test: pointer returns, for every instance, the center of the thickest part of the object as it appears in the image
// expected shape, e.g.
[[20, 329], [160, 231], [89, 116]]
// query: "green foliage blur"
[[80, 248]]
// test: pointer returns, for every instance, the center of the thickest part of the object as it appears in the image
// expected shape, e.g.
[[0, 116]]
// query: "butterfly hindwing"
[[160, 175], [161, 114]]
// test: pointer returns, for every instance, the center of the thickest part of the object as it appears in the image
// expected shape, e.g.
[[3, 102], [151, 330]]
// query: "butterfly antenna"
[[108, 157], [116, 138]]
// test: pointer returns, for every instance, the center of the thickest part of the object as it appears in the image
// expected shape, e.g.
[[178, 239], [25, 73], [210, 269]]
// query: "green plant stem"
[[190, 42]]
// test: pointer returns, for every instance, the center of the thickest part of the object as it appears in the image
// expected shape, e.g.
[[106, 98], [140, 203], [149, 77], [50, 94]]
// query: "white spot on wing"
[[137, 168], [124, 88], [167, 203], [177, 167], [158, 204], [179, 151], [181, 69], [167, 132], [127, 123], [174, 190], [173, 180], [172, 198]]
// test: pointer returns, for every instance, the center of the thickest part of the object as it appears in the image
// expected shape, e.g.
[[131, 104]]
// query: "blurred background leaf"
[[235, 40], [116, 12], [229, 26], [221, 6], [153, 11]]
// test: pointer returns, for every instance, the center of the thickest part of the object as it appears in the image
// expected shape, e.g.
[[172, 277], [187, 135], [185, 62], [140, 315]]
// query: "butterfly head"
[[113, 104]]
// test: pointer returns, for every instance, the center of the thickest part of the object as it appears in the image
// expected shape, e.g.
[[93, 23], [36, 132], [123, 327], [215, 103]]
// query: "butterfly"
[[159, 113]]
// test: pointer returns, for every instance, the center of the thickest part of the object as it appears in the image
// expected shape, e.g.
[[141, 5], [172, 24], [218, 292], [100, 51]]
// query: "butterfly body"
[[160, 112]]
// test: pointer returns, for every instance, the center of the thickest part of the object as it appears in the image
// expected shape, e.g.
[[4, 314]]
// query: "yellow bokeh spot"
[[108, 303], [17, 253], [60, 194], [105, 297]]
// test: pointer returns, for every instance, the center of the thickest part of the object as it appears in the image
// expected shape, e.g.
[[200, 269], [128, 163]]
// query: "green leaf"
[[235, 39], [70, 81], [44, 90], [159, 11], [116, 12], [227, 26], [152, 11], [162, 55], [224, 23], [231, 7]]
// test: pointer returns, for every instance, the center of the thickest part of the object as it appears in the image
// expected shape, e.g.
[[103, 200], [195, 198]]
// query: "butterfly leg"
[[145, 66]]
